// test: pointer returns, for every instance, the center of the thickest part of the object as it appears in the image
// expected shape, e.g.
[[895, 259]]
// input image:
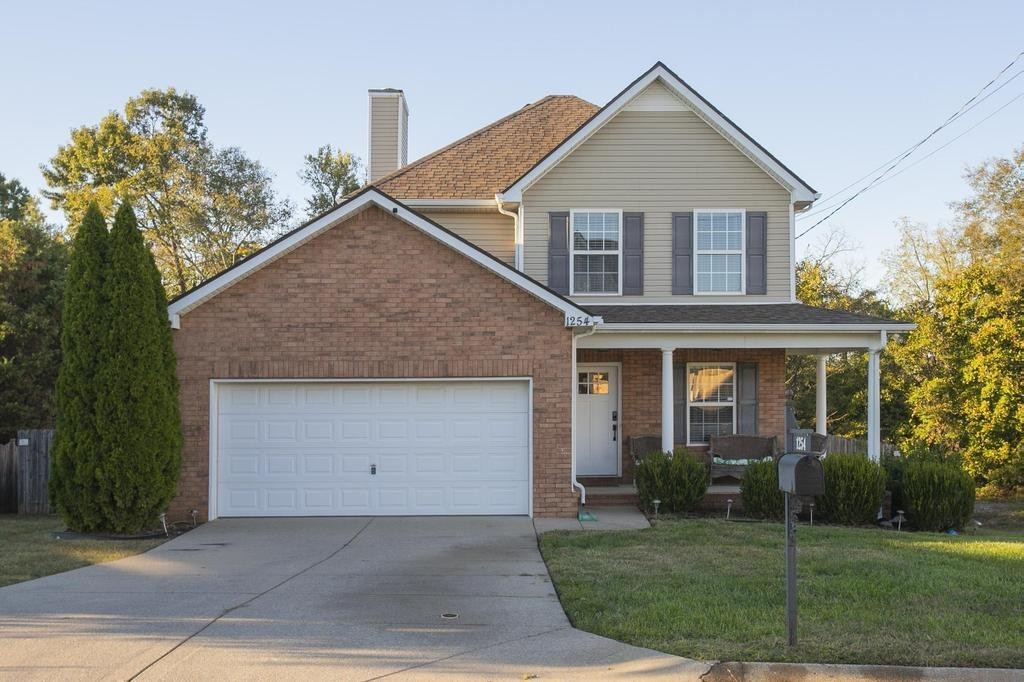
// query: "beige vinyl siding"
[[385, 121], [659, 162], [491, 231]]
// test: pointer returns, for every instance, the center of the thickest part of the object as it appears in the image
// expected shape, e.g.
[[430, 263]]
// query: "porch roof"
[[785, 315]]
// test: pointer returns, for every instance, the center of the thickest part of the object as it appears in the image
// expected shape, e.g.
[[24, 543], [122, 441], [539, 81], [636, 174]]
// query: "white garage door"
[[374, 448]]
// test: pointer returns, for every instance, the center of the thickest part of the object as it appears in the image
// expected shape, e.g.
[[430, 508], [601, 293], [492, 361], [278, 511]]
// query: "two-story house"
[[481, 331]]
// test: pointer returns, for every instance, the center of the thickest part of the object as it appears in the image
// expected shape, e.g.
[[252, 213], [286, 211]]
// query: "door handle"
[[615, 432]]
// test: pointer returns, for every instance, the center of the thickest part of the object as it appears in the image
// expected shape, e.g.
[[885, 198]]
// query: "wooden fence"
[[856, 445], [25, 472]]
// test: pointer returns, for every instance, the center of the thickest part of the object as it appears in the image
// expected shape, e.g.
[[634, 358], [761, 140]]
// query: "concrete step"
[[611, 495]]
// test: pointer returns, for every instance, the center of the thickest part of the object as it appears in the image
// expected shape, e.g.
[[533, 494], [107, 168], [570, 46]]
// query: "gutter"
[[573, 480], [518, 244]]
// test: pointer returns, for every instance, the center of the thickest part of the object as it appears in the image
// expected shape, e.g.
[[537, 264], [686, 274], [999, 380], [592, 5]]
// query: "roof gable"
[[638, 94], [484, 162], [306, 232]]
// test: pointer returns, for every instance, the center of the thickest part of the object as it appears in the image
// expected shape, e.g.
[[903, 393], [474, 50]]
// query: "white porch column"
[[667, 403], [874, 406], [821, 393]]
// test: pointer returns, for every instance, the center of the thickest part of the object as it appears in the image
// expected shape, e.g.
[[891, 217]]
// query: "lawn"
[[714, 589], [28, 550]]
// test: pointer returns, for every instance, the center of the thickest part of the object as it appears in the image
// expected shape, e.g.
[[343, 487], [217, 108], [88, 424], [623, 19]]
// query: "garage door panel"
[[438, 448]]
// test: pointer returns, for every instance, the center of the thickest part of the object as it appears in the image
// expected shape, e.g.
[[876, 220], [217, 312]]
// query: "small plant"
[[678, 479], [854, 489], [940, 496], [762, 498]]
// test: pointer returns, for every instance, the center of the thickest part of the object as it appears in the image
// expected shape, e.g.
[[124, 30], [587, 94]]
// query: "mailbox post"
[[798, 475]]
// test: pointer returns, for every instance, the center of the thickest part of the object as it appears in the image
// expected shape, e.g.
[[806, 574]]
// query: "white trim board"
[[799, 190], [370, 196]]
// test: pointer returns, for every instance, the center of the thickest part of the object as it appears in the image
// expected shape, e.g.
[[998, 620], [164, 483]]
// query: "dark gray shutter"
[[558, 252], [682, 253], [680, 417], [632, 254], [746, 398], [757, 252]]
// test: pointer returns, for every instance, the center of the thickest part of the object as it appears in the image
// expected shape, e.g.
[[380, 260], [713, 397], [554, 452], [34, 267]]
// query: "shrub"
[[854, 489], [76, 450], [137, 391], [678, 479], [759, 488], [940, 496]]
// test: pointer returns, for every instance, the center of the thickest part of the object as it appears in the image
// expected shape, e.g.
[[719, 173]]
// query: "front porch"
[[682, 384]]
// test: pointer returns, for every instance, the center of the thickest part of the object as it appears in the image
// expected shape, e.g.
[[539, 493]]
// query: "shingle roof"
[[782, 314], [485, 162]]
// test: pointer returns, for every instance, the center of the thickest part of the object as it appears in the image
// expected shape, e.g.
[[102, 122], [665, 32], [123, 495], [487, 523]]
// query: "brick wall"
[[374, 297], [641, 389]]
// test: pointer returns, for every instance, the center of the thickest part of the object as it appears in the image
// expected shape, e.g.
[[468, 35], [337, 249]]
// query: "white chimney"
[[389, 133]]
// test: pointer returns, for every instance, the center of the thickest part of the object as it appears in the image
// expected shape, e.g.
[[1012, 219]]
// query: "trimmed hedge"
[[678, 479], [854, 489], [940, 496], [759, 488]]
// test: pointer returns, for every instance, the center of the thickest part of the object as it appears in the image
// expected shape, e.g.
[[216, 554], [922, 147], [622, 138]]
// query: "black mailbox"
[[801, 475]]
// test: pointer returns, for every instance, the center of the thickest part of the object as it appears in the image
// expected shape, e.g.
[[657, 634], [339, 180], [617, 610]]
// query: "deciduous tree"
[[330, 174]]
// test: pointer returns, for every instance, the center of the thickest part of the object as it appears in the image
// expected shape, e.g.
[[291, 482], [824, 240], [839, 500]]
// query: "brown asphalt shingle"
[[485, 162]]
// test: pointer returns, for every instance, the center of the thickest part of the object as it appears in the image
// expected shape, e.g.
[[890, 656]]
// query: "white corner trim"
[[369, 196], [799, 190]]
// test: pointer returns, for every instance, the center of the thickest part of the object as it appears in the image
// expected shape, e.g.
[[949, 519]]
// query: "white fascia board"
[[683, 327], [799, 191], [319, 225], [793, 342]]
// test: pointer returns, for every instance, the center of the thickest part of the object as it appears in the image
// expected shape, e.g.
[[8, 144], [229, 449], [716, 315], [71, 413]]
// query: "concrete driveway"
[[338, 598]]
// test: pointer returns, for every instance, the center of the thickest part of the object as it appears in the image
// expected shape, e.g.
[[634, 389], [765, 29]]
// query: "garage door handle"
[[373, 469]]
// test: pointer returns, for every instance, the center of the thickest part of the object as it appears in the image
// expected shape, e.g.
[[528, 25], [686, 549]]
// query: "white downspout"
[[575, 482], [517, 243]]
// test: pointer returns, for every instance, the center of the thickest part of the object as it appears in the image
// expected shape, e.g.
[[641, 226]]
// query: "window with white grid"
[[719, 252], [710, 401], [596, 251]]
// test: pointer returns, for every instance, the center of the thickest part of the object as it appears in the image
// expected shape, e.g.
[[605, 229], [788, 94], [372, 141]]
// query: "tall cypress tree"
[[137, 403], [77, 450]]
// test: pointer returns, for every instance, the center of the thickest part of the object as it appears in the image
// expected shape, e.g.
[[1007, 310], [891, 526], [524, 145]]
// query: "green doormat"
[[584, 515]]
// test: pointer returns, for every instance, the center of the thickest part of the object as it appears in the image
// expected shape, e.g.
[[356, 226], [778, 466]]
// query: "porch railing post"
[[667, 403], [874, 406], [821, 394]]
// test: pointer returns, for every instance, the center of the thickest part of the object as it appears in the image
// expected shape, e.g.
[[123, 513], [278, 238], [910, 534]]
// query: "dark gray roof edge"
[[782, 314]]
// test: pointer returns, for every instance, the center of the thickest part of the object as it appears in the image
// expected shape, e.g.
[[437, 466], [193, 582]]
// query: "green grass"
[[27, 550], [714, 589]]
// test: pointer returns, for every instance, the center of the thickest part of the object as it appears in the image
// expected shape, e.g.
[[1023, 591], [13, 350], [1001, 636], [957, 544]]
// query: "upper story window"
[[596, 262], [719, 251]]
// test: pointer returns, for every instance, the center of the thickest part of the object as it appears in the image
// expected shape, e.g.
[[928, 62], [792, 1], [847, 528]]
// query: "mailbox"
[[801, 475]]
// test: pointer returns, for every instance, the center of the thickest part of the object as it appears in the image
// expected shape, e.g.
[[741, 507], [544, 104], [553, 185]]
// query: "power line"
[[831, 201], [916, 146]]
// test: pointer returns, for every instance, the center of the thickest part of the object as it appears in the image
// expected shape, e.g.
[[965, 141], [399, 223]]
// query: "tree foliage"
[[821, 283], [331, 174], [33, 257], [964, 365], [137, 400], [201, 208], [76, 457]]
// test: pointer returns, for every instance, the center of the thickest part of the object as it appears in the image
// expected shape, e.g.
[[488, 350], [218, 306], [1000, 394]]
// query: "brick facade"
[[375, 298], [641, 389]]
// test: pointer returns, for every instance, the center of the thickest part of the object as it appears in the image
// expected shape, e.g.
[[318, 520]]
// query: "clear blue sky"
[[833, 89]]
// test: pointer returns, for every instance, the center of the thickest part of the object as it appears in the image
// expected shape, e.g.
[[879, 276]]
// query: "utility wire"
[[916, 146], [833, 198]]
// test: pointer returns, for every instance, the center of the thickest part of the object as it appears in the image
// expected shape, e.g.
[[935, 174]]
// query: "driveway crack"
[[250, 600]]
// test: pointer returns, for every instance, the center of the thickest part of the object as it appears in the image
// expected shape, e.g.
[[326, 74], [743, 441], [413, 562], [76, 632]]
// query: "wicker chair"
[[641, 446], [738, 448]]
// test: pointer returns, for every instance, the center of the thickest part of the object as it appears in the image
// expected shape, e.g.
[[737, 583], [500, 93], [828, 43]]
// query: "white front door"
[[597, 420]]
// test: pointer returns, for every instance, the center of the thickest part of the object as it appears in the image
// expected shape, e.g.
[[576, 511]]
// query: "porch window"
[[719, 251], [710, 400], [596, 251]]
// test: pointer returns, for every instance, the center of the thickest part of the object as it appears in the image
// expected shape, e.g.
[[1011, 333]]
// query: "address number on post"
[[579, 321]]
